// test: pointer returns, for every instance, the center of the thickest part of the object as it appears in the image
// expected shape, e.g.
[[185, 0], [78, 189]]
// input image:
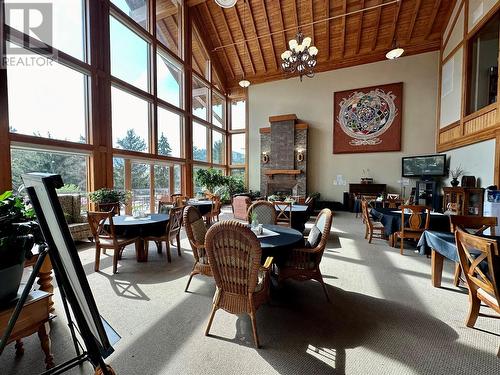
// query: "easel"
[[75, 291]]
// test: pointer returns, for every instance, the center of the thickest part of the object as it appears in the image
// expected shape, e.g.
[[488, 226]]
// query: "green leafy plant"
[[105, 195], [18, 230], [315, 195], [457, 172], [69, 188], [210, 179]]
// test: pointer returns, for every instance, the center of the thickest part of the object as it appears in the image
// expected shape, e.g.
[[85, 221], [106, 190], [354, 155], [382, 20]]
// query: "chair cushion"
[[199, 230], [314, 237]]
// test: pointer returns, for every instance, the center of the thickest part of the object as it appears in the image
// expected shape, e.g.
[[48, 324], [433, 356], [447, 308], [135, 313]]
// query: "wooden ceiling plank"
[[311, 13], [360, 27], [377, 26], [282, 23], [434, 13], [327, 31], [228, 30], [397, 11], [343, 28], [268, 29], [256, 35], [216, 33], [245, 44], [167, 34], [295, 13], [418, 3]]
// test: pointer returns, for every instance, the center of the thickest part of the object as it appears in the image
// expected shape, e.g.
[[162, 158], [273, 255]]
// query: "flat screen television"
[[426, 165]]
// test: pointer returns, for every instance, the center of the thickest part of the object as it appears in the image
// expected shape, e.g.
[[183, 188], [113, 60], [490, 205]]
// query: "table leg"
[[43, 335], [19, 348], [45, 281], [436, 268], [142, 255]]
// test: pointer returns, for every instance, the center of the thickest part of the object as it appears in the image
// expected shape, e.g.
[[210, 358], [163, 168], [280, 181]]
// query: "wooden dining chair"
[[303, 263], [215, 210], [103, 231], [172, 232], [412, 227], [106, 207], [234, 253], [372, 228], [472, 224], [283, 213], [393, 203], [264, 212], [369, 199], [196, 232], [480, 260]]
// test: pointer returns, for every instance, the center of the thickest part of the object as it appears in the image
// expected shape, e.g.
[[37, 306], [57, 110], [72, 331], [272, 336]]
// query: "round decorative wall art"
[[366, 116], [368, 119]]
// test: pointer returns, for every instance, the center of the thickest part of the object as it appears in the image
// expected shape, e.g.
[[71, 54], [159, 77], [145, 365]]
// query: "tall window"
[[199, 142], [238, 148], [169, 79], [169, 24], [200, 57], [200, 99], [218, 110], [483, 66], [238, 138], [218, 148], [238, 114], [169, 133]]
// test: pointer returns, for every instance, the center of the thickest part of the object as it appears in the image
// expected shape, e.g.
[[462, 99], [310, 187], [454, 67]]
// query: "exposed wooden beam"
[[378, 13], [397, 10], [256, 35], [311, 14], [343, 28], [245, 45], [434, 13], [282, 23], [295, 13], [360, 26], [327, 32], [418, 3], [219, 42], [238, 60], [268, 30], [192, 3]]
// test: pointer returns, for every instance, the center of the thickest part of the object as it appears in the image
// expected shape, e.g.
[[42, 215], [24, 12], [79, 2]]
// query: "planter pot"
[[10, 279], [454, 182]]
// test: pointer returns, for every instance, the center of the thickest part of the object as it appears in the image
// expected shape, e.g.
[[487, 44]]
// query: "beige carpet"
[[385, 318]]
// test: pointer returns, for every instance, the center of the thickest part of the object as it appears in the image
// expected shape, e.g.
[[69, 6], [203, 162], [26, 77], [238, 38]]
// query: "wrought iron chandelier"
[[301, 57]]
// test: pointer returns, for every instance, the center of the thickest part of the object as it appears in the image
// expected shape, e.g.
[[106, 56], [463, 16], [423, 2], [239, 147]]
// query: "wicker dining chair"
[[264, 212], [480, 260], [283, 213], [234, 253], [372, 228], [303, 263], [103, 230], [196, 232], [172, 232], [472, 224], [414, 226]]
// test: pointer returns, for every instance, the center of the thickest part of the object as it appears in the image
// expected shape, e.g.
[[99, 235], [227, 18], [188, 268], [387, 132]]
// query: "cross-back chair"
[[172, 232], [242, 283], [103, 230], [215, 210], [283, 213], [415, 220], [303, 263], [480, 263], [264, 212], [372, 228], [393, 202], [369, 199], [106, 207], [196, 232], [472, 224]]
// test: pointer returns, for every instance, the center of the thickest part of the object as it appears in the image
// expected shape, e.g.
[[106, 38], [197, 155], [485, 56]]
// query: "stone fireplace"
[[284, 144]]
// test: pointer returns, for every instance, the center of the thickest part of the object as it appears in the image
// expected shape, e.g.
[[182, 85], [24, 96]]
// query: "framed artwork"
[[368, 119]]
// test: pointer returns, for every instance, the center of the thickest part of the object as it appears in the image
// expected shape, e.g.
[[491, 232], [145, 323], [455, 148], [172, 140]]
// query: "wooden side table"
[[34, 317], [44, 277]]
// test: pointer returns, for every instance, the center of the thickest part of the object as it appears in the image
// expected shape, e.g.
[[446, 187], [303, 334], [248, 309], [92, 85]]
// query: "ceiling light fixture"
[[395, 52], [301, 57], [244, 82], [226, 3]]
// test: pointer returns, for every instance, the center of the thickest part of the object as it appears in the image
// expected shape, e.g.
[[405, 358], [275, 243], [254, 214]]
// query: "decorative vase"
[[255, 223], [454, 182]]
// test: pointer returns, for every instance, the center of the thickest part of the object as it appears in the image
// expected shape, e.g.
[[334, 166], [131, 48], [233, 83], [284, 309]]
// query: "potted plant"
[[455, 174], [109, 196], [18, 234], [210, 179]]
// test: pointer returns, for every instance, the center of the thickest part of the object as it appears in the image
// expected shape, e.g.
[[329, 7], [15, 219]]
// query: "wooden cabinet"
[[364, 189], [463, 201]]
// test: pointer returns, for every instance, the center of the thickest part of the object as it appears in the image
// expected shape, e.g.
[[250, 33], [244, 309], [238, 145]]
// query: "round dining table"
[[300, 215], [204, 206], [151, 225], [280, 242]]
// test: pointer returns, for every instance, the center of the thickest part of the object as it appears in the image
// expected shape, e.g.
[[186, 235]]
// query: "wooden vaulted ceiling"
[[353, 39]]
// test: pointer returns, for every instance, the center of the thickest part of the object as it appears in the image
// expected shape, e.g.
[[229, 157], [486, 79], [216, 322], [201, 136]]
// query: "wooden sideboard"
[[464, 201], [364, 189]]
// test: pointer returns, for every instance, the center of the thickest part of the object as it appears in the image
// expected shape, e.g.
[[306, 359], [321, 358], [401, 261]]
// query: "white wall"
[[476, 160], [312, 101]]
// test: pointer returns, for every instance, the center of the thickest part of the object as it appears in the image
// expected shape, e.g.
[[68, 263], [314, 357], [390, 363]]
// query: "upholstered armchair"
[[77, 223], [240, 206]]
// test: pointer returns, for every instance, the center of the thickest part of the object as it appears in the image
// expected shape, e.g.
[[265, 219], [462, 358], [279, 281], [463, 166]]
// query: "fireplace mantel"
[[272, 172]]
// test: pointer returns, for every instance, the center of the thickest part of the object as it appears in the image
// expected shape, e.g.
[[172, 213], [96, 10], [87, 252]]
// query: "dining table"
[[277, 241], [300, 215], [203, 205], [142, 227]]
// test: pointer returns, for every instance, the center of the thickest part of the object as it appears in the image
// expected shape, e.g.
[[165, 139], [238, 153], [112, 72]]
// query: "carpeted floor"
[[385, 318]]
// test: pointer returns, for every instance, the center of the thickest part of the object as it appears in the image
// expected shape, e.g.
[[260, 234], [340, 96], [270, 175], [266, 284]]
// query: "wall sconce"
[[265, 157], [300, 155]]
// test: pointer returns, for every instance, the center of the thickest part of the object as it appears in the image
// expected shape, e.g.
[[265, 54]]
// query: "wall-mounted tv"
[[426, 165]]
